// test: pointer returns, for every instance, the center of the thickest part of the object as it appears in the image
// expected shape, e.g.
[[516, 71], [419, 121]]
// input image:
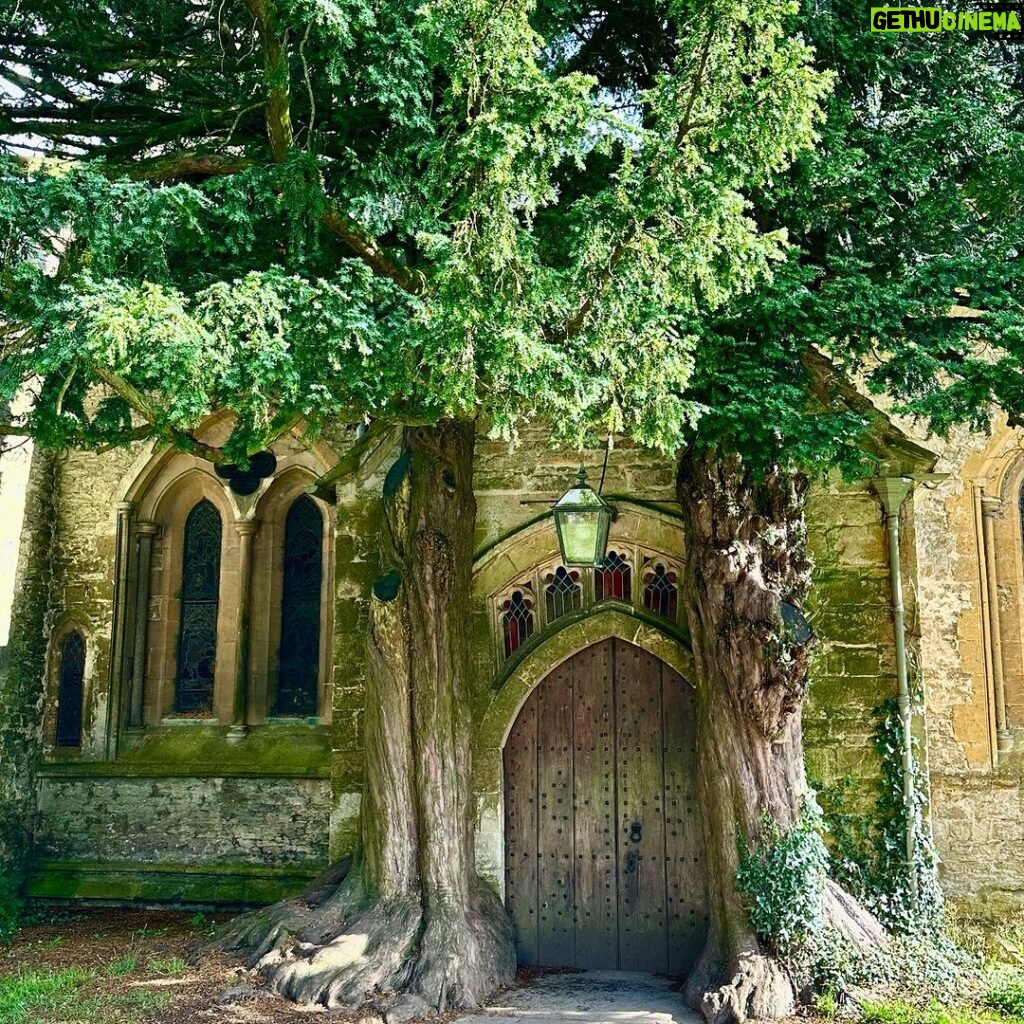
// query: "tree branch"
[[576, 322], [277, 75], [186, 164]]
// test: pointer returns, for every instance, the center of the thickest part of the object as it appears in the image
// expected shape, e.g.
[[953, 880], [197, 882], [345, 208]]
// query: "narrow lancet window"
[[516, 622], [614, 579], [70, 690], [200, 599], [299, 657], [661, 594], [563, 593]]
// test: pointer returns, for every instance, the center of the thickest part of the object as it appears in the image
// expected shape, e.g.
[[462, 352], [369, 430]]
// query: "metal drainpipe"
[[893, 492]]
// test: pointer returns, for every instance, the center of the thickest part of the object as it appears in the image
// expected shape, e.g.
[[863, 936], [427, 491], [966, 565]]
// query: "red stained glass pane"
[[614, 579]]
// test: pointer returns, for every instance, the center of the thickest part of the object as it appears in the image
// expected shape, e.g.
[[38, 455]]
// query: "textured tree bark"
[[410, 929], [746, 554]]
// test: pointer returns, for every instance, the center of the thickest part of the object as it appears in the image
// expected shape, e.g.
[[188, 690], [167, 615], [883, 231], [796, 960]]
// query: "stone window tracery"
[[614, 580], [517, 621], [562, 593], [200, 599], [552, 594], [661, 594]]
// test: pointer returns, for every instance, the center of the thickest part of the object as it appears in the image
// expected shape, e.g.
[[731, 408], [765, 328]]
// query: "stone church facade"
[[181, 693]]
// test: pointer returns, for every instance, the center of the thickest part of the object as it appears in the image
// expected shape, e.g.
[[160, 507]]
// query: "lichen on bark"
[[746, 554]]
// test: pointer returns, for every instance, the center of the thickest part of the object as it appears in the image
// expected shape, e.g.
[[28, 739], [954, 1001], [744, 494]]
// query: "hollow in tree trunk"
[[410, 928], [746, 554]]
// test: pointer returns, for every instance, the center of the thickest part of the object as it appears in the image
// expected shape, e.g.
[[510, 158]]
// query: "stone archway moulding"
[[498, 564], [501, 713]]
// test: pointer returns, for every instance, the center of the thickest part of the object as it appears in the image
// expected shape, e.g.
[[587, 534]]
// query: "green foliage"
[[826, 1003], [399, 211], [124, 964], [13, 845], [900, 1012], [869, 850], [628, 218], [166, 967], [782, 880], [24, 997], [1006, 993]]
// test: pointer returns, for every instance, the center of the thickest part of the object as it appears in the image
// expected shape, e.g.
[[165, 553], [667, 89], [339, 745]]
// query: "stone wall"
[[276, 808], [853, 668], [178, 812], [977, 811]]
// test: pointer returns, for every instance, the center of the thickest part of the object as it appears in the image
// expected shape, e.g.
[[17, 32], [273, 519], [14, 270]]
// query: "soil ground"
[[136, 966]]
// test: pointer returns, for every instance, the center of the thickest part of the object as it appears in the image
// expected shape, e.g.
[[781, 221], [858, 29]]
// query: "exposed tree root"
[[760, 989], [344, 949], [859, 927]]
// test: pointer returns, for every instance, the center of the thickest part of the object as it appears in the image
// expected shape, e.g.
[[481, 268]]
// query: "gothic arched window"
[[516, 622], [69, 690], [298, 670], [660, 592], [614, 579], [200, 597], [563, 592]]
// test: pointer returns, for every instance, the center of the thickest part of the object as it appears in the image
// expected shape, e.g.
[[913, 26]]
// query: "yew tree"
[[422, 214], [458, 216], [904, 275]]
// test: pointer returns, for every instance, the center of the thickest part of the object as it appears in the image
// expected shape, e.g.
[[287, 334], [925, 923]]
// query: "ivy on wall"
[[868, 849]]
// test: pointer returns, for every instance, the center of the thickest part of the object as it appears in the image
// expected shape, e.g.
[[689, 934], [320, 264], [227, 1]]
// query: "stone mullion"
[[991, 507], [240, 702], [118, 660], [144, 534]]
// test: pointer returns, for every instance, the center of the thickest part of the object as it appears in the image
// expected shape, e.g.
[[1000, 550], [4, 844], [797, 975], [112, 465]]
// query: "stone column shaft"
[[991, 507], [145, 532], [240, 706]]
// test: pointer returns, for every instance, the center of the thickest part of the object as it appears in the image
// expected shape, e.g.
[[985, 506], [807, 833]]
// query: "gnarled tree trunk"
[[410, 929], [746, 554]]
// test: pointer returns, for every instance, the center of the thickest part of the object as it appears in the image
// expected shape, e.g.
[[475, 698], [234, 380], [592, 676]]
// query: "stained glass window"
[[298, 672], [563, 593], [200, 597], [661, 595], [69, 691], [516, 622], [614, 579]]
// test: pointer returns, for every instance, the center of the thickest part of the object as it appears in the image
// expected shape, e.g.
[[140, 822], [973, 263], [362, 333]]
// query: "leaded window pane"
[[298, 671], [200, 598], [614, 579], [69, 691], [563, 593], [516, 622], [661, 594]]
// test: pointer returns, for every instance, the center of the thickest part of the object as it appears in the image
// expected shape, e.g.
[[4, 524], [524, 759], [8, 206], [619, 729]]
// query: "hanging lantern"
[[582, 518]]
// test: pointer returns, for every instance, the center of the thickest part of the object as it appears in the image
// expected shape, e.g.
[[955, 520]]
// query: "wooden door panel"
[[642, 939], [521, 832], [595, 896], [555, 929], [686, 892], [603, 848]]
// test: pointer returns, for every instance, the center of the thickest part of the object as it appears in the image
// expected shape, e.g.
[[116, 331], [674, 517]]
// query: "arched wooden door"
[[603, 851]]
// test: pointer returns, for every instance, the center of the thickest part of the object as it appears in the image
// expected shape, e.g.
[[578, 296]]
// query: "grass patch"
[[123, 965], [24, 997], [897, 1011], [166, 967], [52, 997], [1006, 994]]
